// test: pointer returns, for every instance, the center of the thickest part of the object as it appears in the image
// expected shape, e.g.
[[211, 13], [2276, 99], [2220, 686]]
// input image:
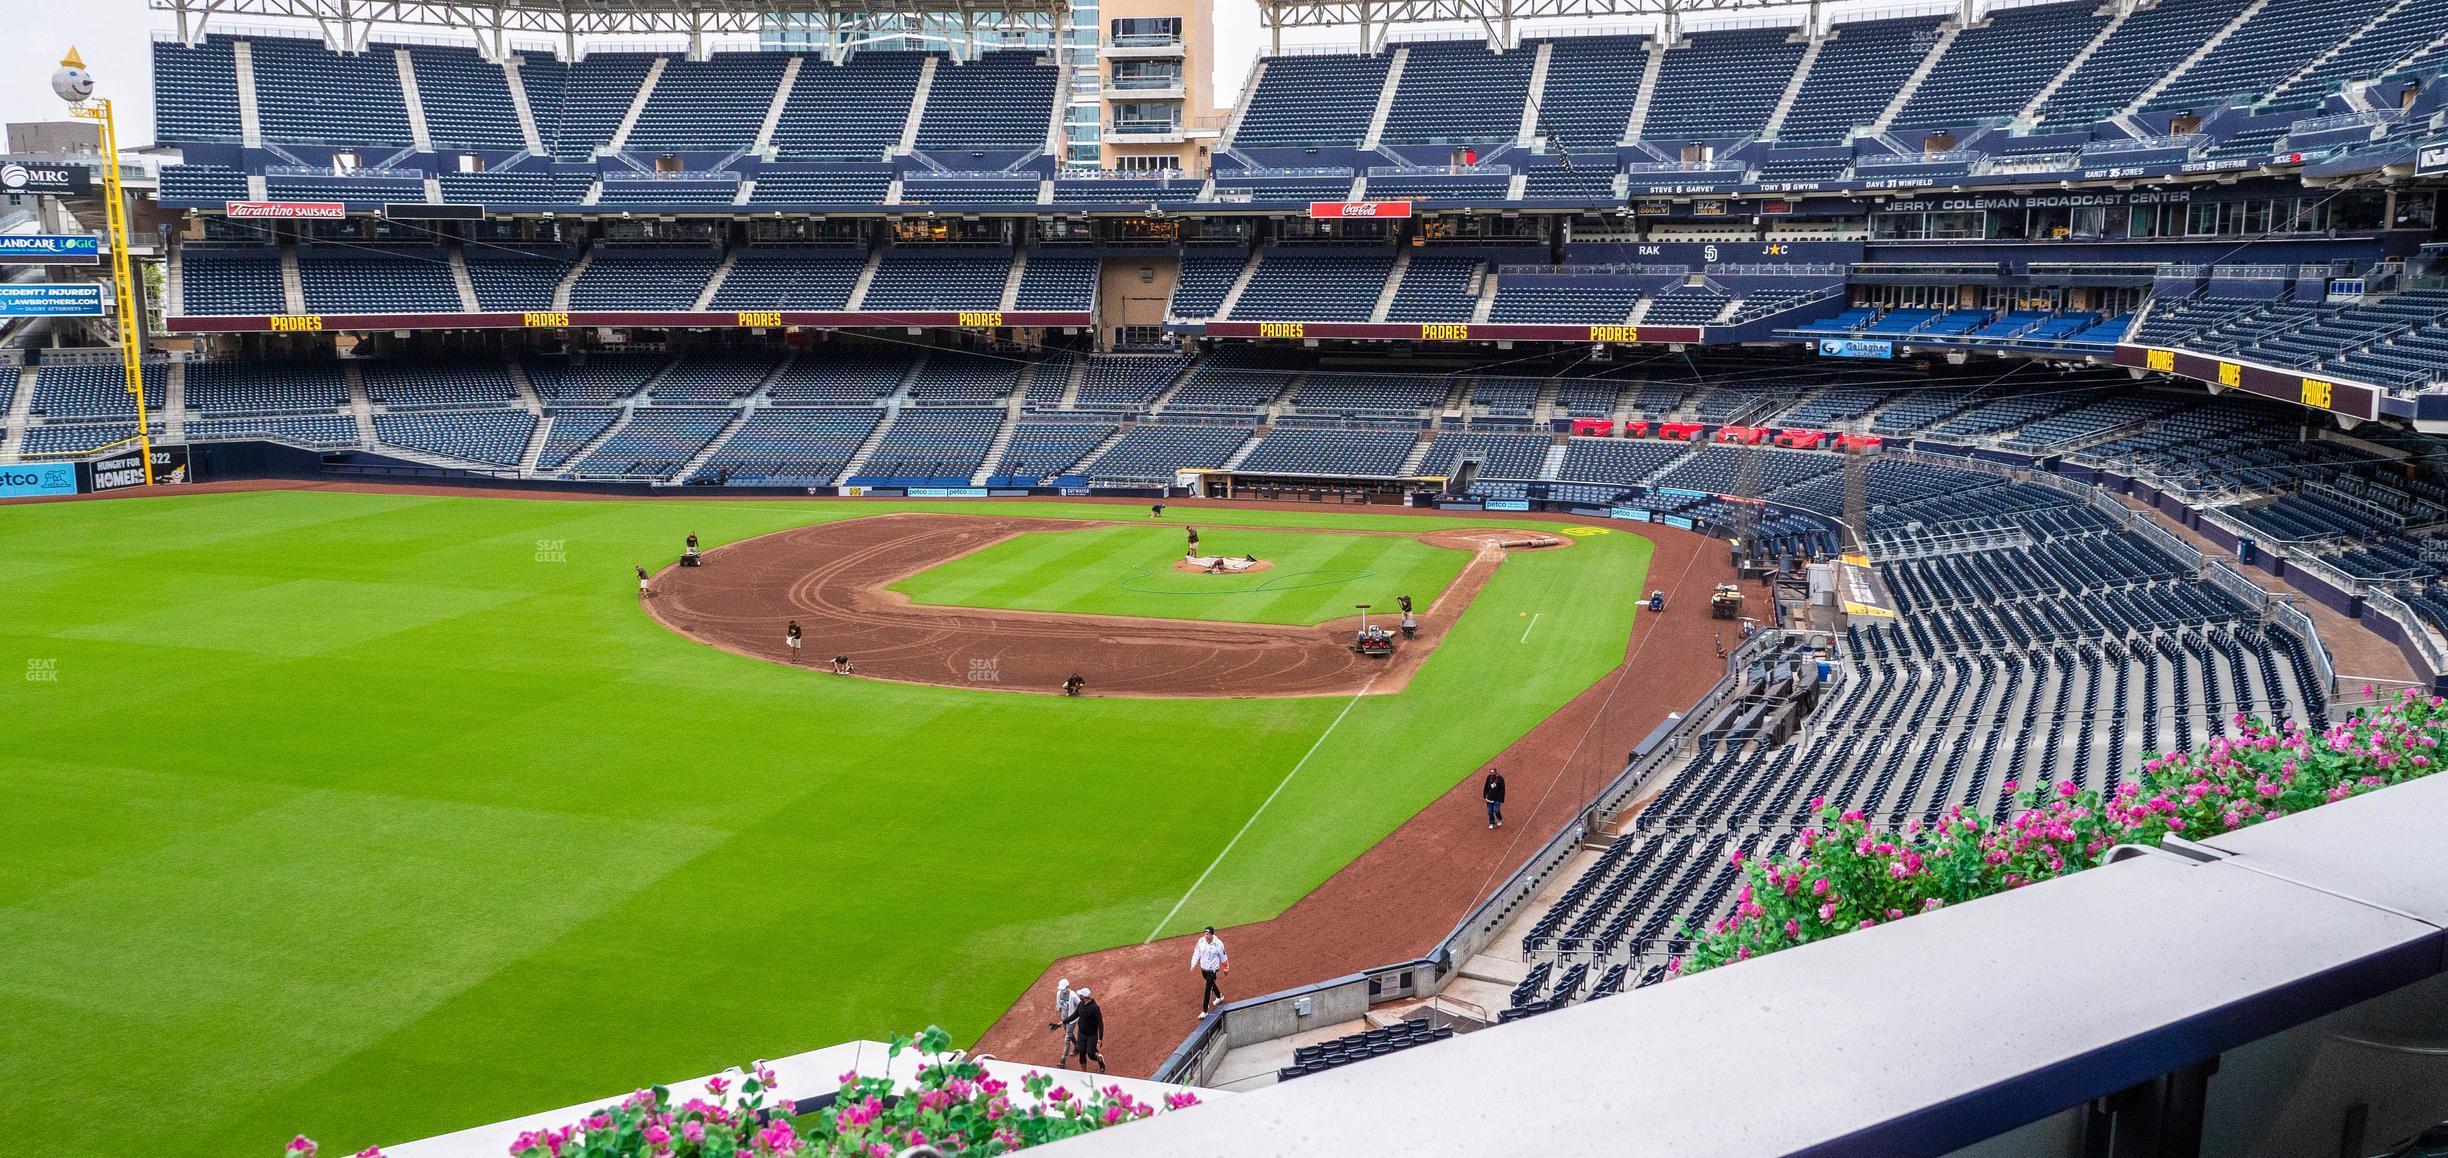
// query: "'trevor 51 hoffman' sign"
[[46, 178]]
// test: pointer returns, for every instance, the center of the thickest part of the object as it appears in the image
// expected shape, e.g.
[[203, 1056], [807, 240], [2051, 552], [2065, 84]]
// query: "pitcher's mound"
[[1186, 567]]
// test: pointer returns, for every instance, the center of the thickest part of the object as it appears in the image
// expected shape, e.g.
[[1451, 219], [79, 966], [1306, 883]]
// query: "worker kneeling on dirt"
[[1657, 600]]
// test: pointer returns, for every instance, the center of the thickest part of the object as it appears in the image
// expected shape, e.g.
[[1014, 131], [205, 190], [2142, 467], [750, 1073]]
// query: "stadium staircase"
[[2030, 114], [1532, 101], [578, 268], [460, 280], [1552, 465], [174, 401], [293, 286], [1072, 382], [739, 418], [1418, 453], [1385, 100], [513, 75], [527, 397], [2199, 54], [418, 134], [21, 403], [866, 449], [2378, 19], [570, 464], [1241, 453], [1010, 297], [1920, 75], [360, 407], [535, 447], [1001, 445], [867, 273], [1088, 460], [1393, 285], [1793, 88], [714, 281], [917, 110], [1249, 269], [773, 111], [250, 113], [1648, 90], [637, 106]]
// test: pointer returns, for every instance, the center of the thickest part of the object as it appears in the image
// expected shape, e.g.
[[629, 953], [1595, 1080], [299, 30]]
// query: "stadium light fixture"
[[76, 86]]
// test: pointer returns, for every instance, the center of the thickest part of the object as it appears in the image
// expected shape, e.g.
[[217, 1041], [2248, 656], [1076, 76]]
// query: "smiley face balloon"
[[72, 82]]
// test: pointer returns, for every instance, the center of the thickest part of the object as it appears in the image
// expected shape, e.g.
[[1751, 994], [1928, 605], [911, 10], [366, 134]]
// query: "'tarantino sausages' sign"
[[287, 210]]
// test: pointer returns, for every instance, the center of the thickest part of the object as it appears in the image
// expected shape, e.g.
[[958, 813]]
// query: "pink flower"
[[302, 1146], [717, 1086], [693, 1130]]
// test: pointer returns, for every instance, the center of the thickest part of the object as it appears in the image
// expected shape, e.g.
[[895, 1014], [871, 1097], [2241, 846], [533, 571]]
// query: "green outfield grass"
[[376, 816], [1128, 570]]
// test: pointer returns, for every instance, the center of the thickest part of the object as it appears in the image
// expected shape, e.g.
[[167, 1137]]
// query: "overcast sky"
[[115, 38]]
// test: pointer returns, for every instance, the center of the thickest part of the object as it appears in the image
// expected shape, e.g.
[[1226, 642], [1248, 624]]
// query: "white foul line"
[[1534, 618], [1262, 807]]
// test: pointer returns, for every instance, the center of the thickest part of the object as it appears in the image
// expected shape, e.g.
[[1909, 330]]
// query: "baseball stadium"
[[708, 578]]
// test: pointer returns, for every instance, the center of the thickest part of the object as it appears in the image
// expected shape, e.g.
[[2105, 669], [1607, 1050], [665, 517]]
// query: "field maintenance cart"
[[1727, 602]]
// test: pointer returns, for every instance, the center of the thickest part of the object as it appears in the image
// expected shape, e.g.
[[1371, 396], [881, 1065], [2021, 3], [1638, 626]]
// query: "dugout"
[[1267, 486]]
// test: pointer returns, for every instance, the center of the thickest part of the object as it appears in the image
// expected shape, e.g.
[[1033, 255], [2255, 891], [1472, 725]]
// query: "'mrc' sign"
[[1332, 210]]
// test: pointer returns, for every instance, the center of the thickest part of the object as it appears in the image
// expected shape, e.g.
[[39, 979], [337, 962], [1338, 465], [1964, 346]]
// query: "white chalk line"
[[1262, 807], [1534, 618]]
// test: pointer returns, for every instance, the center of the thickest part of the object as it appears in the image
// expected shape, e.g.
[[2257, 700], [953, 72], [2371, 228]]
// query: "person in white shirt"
[[1209, 958], [1066, 1003]]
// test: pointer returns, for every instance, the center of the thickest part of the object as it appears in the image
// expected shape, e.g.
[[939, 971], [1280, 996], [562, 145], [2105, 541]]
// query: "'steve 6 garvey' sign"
[[1331, 210], [287, 210]]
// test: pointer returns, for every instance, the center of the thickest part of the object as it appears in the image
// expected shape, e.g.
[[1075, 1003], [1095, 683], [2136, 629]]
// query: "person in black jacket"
[[1492, 791], [1087, 1022]]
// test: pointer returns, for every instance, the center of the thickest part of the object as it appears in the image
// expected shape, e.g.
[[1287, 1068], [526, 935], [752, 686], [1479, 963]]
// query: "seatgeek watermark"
[[552, 551], [42, 671]]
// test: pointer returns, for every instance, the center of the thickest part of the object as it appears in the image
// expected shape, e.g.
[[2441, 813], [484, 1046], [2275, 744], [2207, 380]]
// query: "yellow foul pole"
[[131, 323]]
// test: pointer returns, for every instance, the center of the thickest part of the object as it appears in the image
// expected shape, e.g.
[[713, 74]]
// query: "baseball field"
[[377, 815]]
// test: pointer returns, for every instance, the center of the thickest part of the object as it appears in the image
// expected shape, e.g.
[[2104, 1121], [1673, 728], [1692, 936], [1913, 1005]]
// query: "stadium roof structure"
[[1501, 18], [350, 24]]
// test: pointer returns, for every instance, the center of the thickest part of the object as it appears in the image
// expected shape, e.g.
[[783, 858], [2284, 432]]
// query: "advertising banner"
[[1855, 348], [52, 178], [2431, 159], [1507, 505], [51, 300], [1340, 209], [50, 249], [29, 480], [125, 468], [286, 210], [1630, 514]]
